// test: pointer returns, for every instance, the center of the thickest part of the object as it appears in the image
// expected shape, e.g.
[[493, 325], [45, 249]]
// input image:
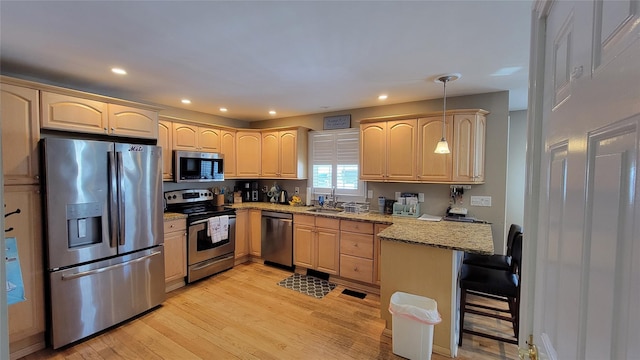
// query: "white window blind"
[[335, 156]]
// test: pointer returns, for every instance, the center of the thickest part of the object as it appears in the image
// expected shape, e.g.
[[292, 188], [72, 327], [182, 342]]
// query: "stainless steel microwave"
[[197, 166]]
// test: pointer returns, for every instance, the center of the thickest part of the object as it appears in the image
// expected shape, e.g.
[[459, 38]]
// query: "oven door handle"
[[206, 220]]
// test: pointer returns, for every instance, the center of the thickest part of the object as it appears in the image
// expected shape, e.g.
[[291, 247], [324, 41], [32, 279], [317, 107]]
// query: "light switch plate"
[[481, 201], [397, 195], [370, 194]]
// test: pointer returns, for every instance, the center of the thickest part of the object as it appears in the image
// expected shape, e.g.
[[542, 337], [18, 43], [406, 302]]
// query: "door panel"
[[142, 187]]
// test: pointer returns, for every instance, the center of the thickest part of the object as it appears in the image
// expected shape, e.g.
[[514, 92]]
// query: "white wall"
[[516, 165]]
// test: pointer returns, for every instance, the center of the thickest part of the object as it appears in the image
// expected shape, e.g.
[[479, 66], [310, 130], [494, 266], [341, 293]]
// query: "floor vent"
[[357, 294]]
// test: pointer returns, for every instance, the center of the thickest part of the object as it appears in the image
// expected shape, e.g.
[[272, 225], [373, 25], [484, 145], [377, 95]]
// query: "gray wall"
[[516, 165]]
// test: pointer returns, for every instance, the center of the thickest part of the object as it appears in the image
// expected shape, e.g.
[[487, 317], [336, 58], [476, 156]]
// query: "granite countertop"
[[470, 237], [174, 216]]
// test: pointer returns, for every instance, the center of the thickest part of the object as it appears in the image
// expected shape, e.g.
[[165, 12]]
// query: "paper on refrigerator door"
[[14, 284]]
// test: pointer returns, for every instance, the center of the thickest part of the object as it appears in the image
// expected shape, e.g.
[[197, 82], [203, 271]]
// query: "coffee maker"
[[250, 191]]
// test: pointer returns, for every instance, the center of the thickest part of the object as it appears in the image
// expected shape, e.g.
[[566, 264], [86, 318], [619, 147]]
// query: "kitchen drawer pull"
[[97, 271]]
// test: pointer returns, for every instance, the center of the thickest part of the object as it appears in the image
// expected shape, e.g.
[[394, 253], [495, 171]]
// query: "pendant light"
[[443, 146]]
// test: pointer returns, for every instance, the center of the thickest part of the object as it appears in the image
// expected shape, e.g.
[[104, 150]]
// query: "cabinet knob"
[[37, 177], [105, 129], [171, 225], [113, 129]]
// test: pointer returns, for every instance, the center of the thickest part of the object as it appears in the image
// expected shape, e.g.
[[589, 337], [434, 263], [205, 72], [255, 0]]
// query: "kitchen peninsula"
[[417, 257]]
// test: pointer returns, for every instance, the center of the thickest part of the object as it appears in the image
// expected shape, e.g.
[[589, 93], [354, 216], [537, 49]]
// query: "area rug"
[[308, 285]]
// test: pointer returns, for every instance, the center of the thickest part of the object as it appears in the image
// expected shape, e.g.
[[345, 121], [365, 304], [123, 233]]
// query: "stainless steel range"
[[211, 231]]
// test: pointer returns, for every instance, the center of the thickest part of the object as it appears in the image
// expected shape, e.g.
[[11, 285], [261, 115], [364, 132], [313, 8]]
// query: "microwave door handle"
[[113, 201], [121, 206]]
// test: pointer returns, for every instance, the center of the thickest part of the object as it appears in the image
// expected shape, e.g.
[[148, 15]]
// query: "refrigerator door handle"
[[113, 201], [121, 224], [96, 271]]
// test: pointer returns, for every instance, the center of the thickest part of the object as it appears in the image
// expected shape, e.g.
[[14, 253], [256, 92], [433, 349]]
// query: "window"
[[335, 156]]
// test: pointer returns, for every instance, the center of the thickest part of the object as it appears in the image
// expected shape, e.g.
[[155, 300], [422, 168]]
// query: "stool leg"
[[463, 302]]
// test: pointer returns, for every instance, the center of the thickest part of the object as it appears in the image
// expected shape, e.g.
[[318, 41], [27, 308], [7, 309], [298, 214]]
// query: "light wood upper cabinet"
[[26, 318], [19, 111], [469, 147], [431, 166], [195, 138], [387, 150], [165, 141], [71, 113], [401, 149], [132, 122], [248, 152], [284, 154], [228, 149]]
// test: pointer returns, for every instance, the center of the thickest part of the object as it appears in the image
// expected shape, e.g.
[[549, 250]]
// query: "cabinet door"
[[255, 233], [228, 149], [304, 246], [248, 154], [209, 139], [242, 230], [432, 166], [132, 122], [185, 137], [373, 151], [69, 113], [165, 141], [175, 255], [26, 318], [328, 253], [401, 150], [468, 148], [376, 252], [270, 155], [288, 141], [20, 134]]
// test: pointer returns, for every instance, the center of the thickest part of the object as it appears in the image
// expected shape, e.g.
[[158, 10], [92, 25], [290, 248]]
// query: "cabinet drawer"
[[356, 268], [327, 223], [356, 244], [175, 225], [304, 219], [357, 226]]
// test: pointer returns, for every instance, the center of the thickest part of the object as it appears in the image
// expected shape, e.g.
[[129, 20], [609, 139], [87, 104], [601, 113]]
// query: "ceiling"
[[294, 57]]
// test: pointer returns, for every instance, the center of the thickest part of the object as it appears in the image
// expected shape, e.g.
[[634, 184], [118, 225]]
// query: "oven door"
[[201, 246]]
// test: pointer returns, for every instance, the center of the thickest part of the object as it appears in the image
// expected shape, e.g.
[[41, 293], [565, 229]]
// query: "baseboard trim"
[[39, 344]]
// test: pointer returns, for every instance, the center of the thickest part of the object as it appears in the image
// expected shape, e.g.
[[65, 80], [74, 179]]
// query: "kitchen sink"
[[325, 210]]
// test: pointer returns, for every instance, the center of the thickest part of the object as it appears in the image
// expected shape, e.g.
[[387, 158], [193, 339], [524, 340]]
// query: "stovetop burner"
[[196, 204]]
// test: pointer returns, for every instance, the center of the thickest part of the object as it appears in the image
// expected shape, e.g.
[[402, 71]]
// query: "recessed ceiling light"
[[119, 71], [223, 109], [382, 97], [272, 112], [186, 101]]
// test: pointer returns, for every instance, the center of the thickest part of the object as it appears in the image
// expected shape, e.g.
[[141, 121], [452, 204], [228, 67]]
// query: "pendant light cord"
[[444, 110]]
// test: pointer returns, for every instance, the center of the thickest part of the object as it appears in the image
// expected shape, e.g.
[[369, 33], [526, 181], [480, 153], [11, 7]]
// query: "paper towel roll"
[[308, 196]]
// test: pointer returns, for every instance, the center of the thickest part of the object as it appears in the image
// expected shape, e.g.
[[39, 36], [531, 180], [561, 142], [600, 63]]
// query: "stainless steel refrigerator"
[[104, 234]]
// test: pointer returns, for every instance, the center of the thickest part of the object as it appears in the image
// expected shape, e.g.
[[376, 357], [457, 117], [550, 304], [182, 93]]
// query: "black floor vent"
[[357, 294]]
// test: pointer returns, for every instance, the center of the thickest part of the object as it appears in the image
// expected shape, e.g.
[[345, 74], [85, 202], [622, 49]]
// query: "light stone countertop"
[[470, 237], [174, 216]]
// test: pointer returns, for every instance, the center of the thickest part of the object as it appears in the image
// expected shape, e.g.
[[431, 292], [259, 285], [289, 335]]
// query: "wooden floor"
[[243, 314]]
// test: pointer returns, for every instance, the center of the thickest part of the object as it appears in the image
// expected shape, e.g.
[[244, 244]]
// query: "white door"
[[582, 227]]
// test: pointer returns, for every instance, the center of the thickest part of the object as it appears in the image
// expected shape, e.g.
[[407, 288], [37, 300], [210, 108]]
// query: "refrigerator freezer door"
[[141, 206], [90, 298], [77, 197]]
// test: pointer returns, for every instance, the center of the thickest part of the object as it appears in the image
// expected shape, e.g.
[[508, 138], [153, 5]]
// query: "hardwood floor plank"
[[243, 314]]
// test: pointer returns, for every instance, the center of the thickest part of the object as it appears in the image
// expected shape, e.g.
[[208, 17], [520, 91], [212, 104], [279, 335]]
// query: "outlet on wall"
[[296, 190], [481, 201], [420, 197], [370, 194]]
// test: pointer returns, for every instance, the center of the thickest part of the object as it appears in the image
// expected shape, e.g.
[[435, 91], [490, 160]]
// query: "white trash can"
[[413, 319]]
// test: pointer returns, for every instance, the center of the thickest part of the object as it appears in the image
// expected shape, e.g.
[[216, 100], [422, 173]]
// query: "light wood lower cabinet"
[[242, 232], [377, 228], [26, 318], [175, 253], [316, 243], [357, 250], [255, 232]]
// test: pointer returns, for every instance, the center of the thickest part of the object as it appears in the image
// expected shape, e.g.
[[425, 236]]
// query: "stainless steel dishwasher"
[[277, 238]]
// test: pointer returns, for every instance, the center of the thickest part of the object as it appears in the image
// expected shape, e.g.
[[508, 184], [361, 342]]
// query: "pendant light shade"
[[443, 147]]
